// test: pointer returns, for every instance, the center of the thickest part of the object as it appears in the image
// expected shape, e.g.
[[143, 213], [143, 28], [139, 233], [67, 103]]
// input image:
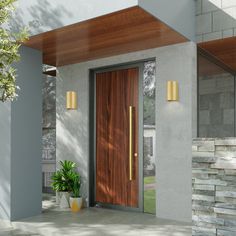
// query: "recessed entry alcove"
[[125, 31]]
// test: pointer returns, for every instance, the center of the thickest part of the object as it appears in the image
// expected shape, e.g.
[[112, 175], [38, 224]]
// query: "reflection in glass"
[[149, 139], [216, 100]]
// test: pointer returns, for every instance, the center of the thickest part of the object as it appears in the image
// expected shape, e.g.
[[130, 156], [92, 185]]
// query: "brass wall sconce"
[[172, 91], [71, 100]]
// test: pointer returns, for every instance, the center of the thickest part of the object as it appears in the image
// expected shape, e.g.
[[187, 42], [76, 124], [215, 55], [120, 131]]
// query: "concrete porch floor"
[[94, 221]]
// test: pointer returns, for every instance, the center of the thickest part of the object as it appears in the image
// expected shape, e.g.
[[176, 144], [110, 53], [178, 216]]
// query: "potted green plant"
[[62, 182], [57, 185], [75, 198]]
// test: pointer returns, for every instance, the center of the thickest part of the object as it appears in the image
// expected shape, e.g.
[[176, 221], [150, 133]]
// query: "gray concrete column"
[[20, 142], [176, 126]]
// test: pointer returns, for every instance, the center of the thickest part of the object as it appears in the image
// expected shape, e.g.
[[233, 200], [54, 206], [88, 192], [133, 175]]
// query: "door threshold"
[[117, 207]]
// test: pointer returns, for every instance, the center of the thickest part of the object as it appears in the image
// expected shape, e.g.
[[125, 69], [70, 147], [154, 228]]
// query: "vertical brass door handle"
[[130, 143]]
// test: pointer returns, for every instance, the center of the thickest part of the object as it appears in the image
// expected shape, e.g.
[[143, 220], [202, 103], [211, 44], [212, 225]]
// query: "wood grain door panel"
[[115, 92]]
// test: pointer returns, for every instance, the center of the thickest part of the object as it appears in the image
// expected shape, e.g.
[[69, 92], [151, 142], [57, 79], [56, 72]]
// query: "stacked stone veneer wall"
[[214, 187], [216, 105], [215, 19]]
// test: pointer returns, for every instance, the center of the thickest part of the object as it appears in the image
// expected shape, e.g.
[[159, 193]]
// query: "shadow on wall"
[[215, 19], [72, 136], [45, 17]]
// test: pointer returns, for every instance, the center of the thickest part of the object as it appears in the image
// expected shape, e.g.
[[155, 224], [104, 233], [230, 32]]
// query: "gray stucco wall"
[[20, 142], [41, 16], [179, 15], [45, 15], [174, 123], [176, 126], [215, 19], [26, 137], [5, 153]]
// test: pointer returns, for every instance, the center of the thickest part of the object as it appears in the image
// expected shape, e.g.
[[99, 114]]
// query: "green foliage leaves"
[[9, 52], [58, 183], [75, 187], [6, 7], [67, 179]]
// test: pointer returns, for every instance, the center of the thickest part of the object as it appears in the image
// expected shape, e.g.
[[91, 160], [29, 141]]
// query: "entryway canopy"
[[129, 30]]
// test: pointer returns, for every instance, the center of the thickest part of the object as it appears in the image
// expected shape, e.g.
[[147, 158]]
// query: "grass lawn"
[[150, 201], [150, 196], [149, 180]]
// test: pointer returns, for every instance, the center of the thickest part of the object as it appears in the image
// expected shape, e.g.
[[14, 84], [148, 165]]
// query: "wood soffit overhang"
[[125, 31], [224, 50]]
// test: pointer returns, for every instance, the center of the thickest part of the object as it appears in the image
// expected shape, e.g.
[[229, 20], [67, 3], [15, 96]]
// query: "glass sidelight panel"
[[149, 139], [216, 100]]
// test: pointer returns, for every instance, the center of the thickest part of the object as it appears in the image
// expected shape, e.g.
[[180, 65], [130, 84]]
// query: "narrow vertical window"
[[149, 139]]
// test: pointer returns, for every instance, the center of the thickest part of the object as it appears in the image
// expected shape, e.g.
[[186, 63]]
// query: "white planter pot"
[[58, 198], [64, 200], [76, 204]]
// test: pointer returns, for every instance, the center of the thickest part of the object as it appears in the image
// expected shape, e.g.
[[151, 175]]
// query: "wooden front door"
[[117, 176]]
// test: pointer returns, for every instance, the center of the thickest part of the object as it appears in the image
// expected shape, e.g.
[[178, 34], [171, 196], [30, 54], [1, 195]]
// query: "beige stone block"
[[225, 194], [204, 187], [225, 154], [225, 188], [211, 182], [202, 159], [203, 154], [225, 163], [225, 200], [203, 198], [225, 211], [205, 171], [225, 141], [194, 148]]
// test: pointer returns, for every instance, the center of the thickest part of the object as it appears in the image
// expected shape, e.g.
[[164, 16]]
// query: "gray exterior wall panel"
[[174, 123], [41, 16], [179, 15], [26, 137]]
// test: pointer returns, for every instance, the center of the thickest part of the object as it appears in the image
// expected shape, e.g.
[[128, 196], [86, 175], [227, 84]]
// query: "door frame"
[[92, 133]]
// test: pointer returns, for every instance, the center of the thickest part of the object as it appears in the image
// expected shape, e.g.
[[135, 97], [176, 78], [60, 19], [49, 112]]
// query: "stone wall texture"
[[215, 19], [49, 131], [216, 106], [214, 187]]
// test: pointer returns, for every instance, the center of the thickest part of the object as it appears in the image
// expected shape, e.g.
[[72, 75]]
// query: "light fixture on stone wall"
[[172, 91], [71, 100]]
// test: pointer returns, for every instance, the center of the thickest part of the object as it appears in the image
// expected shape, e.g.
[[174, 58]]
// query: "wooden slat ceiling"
[[223, 49], [208, 68], [128, 30]]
